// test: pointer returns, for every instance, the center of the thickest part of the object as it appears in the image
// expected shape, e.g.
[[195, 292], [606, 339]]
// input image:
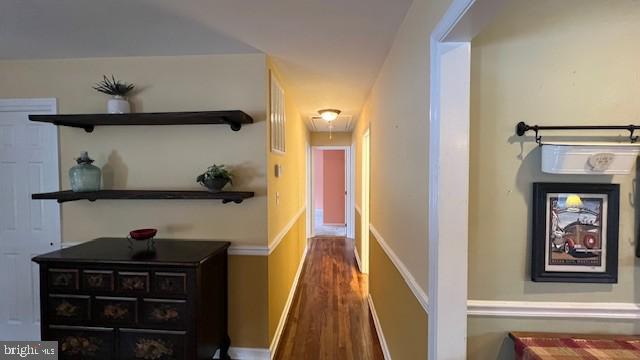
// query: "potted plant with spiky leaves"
[[119, 90], [215, 178]]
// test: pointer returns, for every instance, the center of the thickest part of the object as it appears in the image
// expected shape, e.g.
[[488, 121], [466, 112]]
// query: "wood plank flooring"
[[329, 316]]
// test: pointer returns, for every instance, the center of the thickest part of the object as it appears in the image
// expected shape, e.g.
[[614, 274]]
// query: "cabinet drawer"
[[152, 344], [114, 311], [97, 280], [164, 313], [133, 282], [174, 283], [75, 343], [63, 279], [68, 308]]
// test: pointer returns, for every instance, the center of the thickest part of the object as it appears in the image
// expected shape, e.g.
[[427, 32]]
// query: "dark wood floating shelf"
[[233, 118], [68, 195]]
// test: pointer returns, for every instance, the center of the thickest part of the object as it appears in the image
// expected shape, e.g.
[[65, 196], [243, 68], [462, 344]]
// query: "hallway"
[[330, 317]]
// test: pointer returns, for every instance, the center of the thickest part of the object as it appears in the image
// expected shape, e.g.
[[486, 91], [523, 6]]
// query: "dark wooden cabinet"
[[101, 300]]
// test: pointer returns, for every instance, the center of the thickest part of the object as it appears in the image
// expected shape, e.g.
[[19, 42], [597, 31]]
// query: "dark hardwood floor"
[[329, 317]]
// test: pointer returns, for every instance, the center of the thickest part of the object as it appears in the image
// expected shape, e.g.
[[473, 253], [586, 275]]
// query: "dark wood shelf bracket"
[[234, 125], [87, 128]]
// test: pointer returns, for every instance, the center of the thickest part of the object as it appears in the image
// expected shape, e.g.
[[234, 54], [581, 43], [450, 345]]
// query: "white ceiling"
[[329, 51]]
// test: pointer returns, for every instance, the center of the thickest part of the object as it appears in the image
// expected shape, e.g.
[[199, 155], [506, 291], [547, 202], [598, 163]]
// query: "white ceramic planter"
[[589, 158], [118, 105]]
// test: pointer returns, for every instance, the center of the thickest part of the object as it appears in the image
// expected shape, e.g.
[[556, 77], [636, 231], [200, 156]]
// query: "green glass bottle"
[[85, 177]]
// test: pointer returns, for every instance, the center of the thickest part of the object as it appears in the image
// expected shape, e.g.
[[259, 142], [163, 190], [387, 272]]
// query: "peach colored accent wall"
[[318, 178], [334, 187]]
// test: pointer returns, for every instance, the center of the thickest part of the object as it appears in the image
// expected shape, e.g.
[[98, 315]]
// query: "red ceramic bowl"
[[143, 234]]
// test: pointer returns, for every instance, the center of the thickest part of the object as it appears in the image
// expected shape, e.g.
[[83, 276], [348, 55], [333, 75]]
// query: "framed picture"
[[575, 232]]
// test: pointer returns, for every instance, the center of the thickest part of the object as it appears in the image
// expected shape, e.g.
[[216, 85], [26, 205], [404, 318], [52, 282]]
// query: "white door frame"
[[365, 199], [449, 118], [309, 199], [349, 185]]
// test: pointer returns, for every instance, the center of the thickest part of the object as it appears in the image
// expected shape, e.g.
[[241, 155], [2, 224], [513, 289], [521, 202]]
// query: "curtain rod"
[[522, 128]]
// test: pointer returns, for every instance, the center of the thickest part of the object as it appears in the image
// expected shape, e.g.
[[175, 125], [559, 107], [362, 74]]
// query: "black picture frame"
[[555, 248]]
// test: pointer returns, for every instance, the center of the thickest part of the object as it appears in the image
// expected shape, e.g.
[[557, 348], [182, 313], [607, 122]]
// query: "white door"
[[28, 164]]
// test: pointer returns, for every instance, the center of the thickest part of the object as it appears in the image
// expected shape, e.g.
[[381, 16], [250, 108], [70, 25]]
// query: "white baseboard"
[[285, 312], [237, 353], [355, 252], [249, 250], [422, 297], [547, 309], [376, 322]]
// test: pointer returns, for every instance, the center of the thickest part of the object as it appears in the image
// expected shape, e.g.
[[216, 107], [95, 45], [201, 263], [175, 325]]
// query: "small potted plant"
[[119, 90], [215, 178]]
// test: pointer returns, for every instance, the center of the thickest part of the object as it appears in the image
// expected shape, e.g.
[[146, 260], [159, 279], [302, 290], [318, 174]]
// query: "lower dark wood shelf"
[[68, 195]]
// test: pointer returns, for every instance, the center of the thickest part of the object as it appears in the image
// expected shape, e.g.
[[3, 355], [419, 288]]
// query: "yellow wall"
[[397, 114], [556, 63], [337, 139], [401, 316], [283, 265], [248, 299], [168, 157], [291, 186]]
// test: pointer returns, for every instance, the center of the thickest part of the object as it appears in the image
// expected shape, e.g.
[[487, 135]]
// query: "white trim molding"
[[546, 309], [249, 250], [449, 124], [355, 252], [237, 353], [278, 238], [376, 323], [273, 347], [420, 295]]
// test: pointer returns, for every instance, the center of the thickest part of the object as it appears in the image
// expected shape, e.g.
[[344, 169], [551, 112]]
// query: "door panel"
[[28, 164], [334, 187]]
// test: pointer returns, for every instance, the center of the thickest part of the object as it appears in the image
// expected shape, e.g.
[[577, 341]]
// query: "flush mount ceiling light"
[[329, 114]]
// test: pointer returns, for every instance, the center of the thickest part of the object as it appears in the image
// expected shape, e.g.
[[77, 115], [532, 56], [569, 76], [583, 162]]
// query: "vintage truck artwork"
[[575, 235]]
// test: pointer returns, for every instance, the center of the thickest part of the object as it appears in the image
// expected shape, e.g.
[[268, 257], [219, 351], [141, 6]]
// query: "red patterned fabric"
[[573, 347]]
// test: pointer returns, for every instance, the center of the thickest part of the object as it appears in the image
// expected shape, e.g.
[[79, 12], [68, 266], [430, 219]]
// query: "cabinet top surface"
[[116, 250]]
